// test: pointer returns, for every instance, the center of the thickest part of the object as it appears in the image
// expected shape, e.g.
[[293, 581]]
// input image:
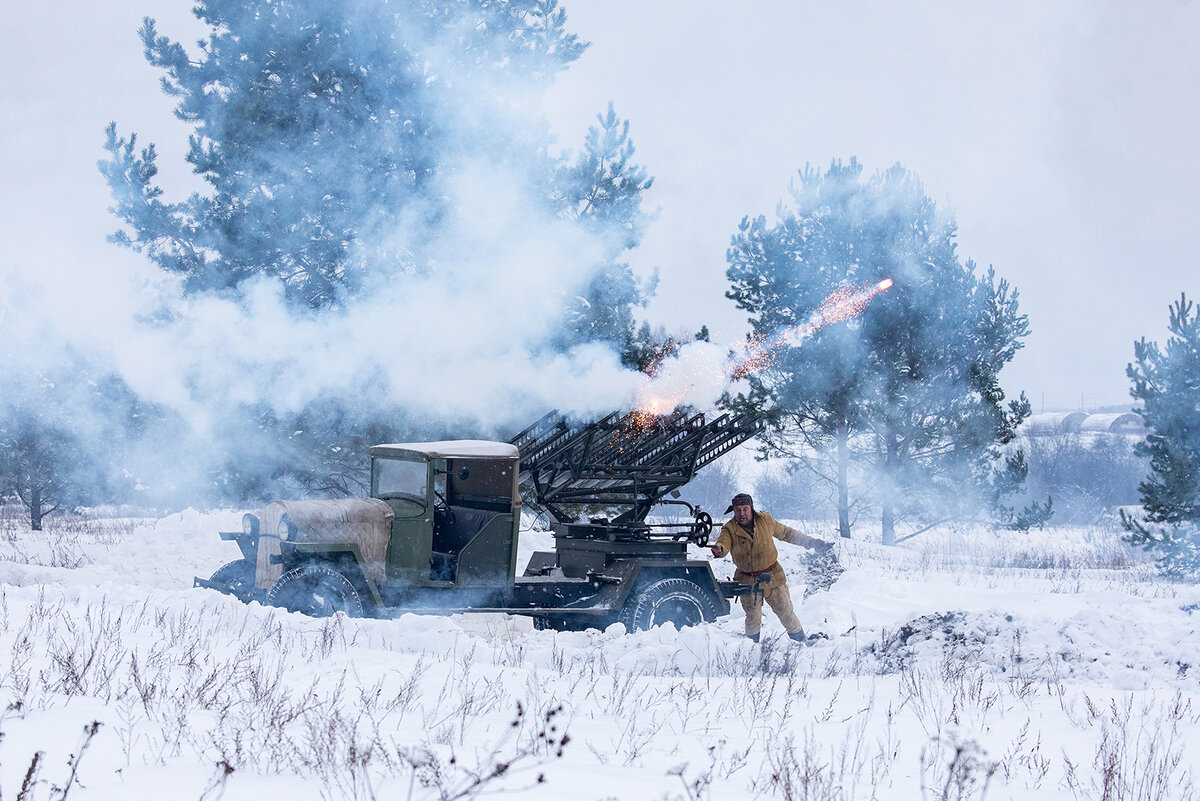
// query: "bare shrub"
[[30, 781], [1085, 474], [451, 780], [802, 774], [790, 490], [965, 774], [1139, 757], [713, 487]]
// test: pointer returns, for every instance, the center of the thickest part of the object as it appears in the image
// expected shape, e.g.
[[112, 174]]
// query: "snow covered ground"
[[962, 664]]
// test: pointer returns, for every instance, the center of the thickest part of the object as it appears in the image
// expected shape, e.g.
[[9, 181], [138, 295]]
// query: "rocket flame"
[[764, 351], [757, 353], [658, 405]]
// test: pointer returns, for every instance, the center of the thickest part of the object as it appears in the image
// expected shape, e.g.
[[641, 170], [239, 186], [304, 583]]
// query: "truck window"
[[483, 483], [394, 477]]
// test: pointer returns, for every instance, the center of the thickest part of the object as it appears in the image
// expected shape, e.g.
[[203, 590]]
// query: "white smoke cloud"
[[457, 323], [696, 376], [464, 340]]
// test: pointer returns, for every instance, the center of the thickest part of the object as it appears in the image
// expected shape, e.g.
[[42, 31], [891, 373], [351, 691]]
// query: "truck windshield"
[[393, 477]]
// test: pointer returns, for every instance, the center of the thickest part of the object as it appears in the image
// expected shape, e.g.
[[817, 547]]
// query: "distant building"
[[1118, 423], [1050, 423]]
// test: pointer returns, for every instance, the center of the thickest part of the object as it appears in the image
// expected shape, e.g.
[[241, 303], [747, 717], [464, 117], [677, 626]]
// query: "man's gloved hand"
[[821, 546], [717, 551]]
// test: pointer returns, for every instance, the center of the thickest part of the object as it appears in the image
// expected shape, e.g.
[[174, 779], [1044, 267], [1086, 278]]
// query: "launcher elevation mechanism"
[[623, 465]]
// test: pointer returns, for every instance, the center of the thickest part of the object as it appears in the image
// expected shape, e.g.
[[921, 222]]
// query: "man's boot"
[[798, 636], [752, 637]]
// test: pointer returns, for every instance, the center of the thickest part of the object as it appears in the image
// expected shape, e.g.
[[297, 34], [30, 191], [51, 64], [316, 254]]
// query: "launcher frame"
[[624, 463]]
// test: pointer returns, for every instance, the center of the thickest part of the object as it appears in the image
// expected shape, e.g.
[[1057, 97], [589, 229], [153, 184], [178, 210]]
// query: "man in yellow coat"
[[750, 538]]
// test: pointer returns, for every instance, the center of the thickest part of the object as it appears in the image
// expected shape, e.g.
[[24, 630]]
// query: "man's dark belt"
[[760, 572]]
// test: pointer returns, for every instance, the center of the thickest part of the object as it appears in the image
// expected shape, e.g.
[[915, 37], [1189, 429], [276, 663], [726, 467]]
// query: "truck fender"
[[344, 557], [246, 543]]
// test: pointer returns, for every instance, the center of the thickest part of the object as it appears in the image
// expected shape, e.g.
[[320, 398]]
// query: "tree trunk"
[[35, 509], [888, 485], [888, 520], [843, 463]]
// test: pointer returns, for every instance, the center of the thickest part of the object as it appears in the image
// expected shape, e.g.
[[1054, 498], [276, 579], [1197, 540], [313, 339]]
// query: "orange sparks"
[[763, 351], [756, 353], [658, 405]]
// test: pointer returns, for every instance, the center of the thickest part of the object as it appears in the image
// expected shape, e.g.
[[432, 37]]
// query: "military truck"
[[440, 529]]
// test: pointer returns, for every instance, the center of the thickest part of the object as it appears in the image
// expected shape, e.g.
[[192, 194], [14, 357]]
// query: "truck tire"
[[316, 591], [670, 600], [238, 579]]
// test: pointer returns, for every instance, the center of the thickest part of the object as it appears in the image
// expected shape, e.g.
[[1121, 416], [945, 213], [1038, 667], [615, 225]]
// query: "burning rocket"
[[842, 304], [756, 353]]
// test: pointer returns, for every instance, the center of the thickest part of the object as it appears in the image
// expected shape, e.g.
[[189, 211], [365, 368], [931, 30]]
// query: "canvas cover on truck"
[[365, 522]]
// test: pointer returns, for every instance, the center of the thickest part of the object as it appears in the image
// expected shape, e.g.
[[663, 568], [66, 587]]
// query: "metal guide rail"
[[623, 463]]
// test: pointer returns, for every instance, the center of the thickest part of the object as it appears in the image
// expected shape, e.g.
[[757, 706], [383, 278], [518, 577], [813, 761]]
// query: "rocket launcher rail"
[[629, 462]]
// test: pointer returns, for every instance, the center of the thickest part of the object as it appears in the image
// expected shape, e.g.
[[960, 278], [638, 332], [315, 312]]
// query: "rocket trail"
[[762, 352], [757, 353]]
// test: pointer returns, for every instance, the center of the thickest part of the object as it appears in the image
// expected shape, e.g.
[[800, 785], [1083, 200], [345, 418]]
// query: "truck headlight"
[[250, 525], [286, 529]]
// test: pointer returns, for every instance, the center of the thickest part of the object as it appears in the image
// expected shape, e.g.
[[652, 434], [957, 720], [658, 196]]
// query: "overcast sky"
[[1065, 136], [1062, 135]]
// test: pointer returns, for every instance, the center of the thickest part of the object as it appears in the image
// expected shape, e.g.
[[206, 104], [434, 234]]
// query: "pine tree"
[[41, 464], [332, 138], [322, 129], [1167, 382], [910, 388], [58, 439], [69, 435], [603, 189]]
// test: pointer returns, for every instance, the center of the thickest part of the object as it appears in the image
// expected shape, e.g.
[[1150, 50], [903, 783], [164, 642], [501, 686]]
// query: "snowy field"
[[961, 665]]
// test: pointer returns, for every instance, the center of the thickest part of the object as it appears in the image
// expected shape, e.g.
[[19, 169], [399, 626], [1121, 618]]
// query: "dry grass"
[[367, 711]]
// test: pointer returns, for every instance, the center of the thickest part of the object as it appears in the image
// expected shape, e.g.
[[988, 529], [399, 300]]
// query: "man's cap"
[[741, 499]]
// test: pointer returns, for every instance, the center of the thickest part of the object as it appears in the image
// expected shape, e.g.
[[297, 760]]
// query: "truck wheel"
[[316, 591], [674, 600], [238, 579]]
